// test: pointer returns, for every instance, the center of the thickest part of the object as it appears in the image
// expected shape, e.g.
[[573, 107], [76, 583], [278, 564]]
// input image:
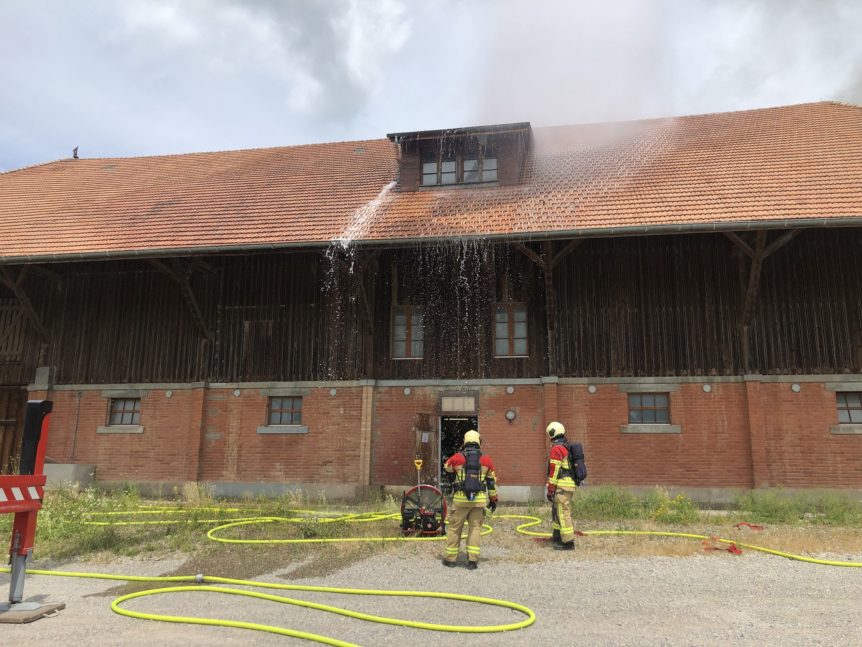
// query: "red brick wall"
[[517, 448], [799, 449], [392, 437], [329, 453], [713, 449], [738, 435], [166, 451]]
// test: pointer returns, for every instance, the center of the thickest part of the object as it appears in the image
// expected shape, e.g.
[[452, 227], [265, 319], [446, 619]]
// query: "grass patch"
[[778, 506], [607, 503], [66, 531]]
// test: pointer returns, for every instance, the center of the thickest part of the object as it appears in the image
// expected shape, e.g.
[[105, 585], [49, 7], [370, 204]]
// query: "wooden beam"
[[14, 284], [180, 274], [183, 275], [550, 307], [529, 253], [753, 279], [45, 272], [568, 249], [736, 240], [781, 241], [751, 297]]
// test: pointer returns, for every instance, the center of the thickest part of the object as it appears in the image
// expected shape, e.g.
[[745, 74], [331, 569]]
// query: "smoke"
[[562, 63]]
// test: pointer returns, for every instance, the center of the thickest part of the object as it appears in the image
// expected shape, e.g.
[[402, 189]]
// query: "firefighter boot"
[[555, 537], [569, 545], [472, 566]]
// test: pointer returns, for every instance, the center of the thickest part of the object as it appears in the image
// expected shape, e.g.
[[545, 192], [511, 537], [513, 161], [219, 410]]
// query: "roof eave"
[[460, 132], [596, 232]]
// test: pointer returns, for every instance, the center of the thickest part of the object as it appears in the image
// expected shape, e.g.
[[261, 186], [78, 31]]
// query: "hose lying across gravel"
[[195, 581]]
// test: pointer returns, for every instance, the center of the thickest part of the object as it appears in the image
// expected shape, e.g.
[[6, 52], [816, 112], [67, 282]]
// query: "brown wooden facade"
[[648, 306]]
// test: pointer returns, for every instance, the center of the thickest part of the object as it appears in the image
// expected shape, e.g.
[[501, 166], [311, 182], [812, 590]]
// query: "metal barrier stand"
[[22, 495]]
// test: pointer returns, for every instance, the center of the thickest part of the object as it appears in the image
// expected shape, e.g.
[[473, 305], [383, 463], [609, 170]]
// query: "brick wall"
[[713, 449], [799, 449], [232, 449], [739, 434], [517, 448], [166, 451]]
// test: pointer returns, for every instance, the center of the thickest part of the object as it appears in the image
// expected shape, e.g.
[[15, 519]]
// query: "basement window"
[[510, 330], [408, 334], [283, 416], [285, 411], [649, 409], [124, 416], [125, 411], [849, 407]]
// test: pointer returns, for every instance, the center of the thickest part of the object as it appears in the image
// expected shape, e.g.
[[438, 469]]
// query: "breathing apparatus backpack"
[[472, 472], [577, 462]]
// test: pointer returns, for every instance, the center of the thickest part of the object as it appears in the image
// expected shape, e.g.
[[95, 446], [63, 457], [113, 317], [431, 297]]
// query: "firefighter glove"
[[492, 504], [552, 490]]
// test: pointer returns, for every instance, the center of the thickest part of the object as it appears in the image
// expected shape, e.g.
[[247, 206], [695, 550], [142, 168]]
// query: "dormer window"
[[442, 166], [488, 156]]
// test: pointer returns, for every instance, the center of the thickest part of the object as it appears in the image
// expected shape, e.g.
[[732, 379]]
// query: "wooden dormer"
[[481, 156]]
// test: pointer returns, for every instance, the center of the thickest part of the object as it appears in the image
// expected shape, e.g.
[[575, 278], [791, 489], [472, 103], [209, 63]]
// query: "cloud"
[[323, 58]]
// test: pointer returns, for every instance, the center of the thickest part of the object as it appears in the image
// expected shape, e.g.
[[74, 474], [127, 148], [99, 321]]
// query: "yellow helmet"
[[472, 436], [555, 430]]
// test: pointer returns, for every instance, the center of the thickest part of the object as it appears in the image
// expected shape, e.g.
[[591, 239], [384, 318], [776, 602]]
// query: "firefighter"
[[561, 487], [475, 487]]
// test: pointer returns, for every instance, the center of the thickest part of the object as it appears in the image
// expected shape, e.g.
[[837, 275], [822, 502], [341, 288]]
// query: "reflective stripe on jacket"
[[560, 472], [456, 465]]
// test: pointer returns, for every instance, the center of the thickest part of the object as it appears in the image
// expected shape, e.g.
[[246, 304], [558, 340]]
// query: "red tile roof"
[[753, 168]]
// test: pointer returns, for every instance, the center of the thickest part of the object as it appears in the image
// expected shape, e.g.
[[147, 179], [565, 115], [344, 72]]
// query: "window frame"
[[438, 157], [293, 412], [409, 339], [851, 410], [510, 307], [654, 408], [135, 412]]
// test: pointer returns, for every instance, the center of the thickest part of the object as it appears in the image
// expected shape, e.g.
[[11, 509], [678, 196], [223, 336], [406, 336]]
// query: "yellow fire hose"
[[534, 521], [206, 579], [524, 528]]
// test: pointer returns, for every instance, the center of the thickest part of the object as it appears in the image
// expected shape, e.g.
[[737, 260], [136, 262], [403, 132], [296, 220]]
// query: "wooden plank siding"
[[655, 306], [646, 306], [458, 286]]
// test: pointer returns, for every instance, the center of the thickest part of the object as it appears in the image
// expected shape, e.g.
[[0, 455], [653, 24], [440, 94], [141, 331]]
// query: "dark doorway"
[[452, 430], [12, 401]]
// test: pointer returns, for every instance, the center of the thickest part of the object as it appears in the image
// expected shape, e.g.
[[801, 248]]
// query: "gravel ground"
[[708, 599]]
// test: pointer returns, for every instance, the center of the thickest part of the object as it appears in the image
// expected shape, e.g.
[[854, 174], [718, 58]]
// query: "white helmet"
[[472, 436], [555, 430]]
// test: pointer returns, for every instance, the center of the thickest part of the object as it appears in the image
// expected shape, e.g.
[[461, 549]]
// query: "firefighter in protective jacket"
[[475, 486], [561, 487]]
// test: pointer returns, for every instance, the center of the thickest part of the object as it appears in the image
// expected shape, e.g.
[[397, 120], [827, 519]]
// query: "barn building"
[[684, 294]]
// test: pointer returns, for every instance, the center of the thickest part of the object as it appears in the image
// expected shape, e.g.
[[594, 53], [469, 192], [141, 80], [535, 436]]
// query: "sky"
[[122, 78]]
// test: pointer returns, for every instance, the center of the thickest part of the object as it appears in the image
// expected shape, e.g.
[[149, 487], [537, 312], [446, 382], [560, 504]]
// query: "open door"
[[452, 430]]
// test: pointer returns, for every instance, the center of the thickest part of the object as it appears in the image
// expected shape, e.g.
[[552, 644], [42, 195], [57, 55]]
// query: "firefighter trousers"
[[474, 516], [561, 515]]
